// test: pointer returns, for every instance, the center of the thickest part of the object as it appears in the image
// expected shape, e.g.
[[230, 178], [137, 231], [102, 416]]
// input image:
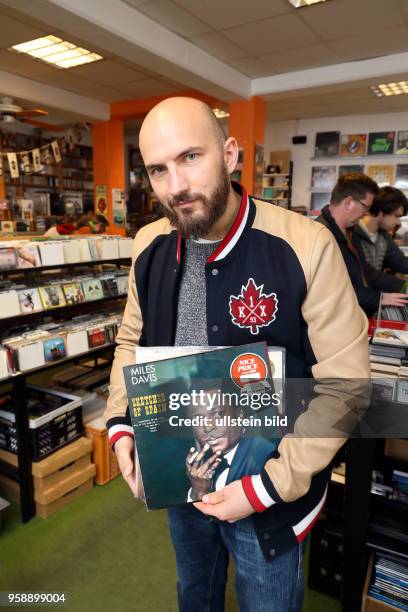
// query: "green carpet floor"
[[106, 552]]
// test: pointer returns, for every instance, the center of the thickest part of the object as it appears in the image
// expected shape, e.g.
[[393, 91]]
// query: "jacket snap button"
[[214, 271], [272, 552], [214, 328]]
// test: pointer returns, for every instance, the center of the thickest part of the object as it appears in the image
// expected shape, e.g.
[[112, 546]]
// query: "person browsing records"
[[351, 199], [372, 238], [215, 243]]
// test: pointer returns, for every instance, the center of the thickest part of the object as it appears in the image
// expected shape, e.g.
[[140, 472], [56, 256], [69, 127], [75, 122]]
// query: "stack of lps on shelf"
[[52, 342], [389, 364], [20, 299], [390, 581], [395, 313], [21, 254]]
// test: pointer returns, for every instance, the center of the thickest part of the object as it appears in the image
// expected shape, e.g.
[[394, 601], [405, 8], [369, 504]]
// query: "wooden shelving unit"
[[73, 175], [277, 187]]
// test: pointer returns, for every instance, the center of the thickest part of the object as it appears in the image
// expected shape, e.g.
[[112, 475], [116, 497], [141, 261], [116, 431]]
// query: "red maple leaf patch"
[[252, 308]]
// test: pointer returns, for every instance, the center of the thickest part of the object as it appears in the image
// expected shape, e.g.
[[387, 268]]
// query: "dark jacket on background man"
[[384, 253], [360, 275]]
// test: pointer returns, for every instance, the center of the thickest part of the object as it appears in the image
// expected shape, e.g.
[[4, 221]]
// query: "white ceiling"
[[218, 47], [270, 37]]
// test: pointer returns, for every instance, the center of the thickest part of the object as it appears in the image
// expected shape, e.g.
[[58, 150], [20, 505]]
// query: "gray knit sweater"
[[191, 328]]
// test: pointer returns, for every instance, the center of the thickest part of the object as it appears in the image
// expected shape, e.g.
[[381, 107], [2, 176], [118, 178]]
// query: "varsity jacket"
[[314, 314], [363, 281], [383, 254]]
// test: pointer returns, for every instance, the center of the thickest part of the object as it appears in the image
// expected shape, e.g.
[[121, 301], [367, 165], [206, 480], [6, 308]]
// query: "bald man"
[[222, 268]]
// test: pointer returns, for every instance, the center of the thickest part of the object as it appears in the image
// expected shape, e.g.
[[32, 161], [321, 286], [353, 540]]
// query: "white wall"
[[278, 135]]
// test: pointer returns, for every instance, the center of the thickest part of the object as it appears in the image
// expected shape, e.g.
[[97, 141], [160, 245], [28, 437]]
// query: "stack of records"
[[390, 581], [389, 364], [16, 299], [52, 342], [395, 313]]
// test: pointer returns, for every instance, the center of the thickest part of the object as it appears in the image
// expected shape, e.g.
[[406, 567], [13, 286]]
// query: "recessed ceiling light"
[[56, 51], [220, 114], [390, 89], [300, 3]]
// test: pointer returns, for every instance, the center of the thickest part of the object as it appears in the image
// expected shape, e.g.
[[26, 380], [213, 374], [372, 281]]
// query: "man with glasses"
[[350, 200]]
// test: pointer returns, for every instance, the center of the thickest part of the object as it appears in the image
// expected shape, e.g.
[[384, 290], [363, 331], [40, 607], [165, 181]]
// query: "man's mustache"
[[185, 198]]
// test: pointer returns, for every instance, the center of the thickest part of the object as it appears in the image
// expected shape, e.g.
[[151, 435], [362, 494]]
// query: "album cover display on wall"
[[382, 174], [350, 168], [327, 144], [323, 177], [401, 147], [353, 145], [381, 143], [401, 178], [318, 201]]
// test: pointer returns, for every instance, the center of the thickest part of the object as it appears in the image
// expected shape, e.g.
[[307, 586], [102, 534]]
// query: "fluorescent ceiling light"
[[220, 114], [36, 44], [390, 89], [300, 3], [57, 52]]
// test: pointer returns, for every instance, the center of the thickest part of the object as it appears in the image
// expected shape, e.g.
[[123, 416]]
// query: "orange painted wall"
[[247, 125], [109, 163]]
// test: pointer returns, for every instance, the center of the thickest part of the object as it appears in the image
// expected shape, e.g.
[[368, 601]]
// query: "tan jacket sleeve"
[[127, 340], [130, 330], [337, 331]]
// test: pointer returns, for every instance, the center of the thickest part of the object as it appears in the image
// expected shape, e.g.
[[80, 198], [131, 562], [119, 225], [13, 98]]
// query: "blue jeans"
[[202, 547]]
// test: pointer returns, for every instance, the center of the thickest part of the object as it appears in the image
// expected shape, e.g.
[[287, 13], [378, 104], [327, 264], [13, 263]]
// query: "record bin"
[[55, 419]]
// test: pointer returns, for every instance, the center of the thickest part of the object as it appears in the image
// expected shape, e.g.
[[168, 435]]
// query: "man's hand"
[[124, 449], [201, 472], [229, 504], [394, 299]]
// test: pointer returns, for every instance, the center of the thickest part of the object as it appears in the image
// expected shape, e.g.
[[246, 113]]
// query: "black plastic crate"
[[55, 419]]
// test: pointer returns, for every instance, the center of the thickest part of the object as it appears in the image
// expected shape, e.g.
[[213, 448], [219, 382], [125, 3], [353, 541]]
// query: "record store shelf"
[[69, 311], [16, 384], [67, 266]]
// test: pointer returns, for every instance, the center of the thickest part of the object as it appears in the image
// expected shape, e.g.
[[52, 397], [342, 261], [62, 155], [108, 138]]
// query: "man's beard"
[[213, 208]]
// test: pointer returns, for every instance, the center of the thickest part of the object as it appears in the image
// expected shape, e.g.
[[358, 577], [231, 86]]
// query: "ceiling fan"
[[10, 113]]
